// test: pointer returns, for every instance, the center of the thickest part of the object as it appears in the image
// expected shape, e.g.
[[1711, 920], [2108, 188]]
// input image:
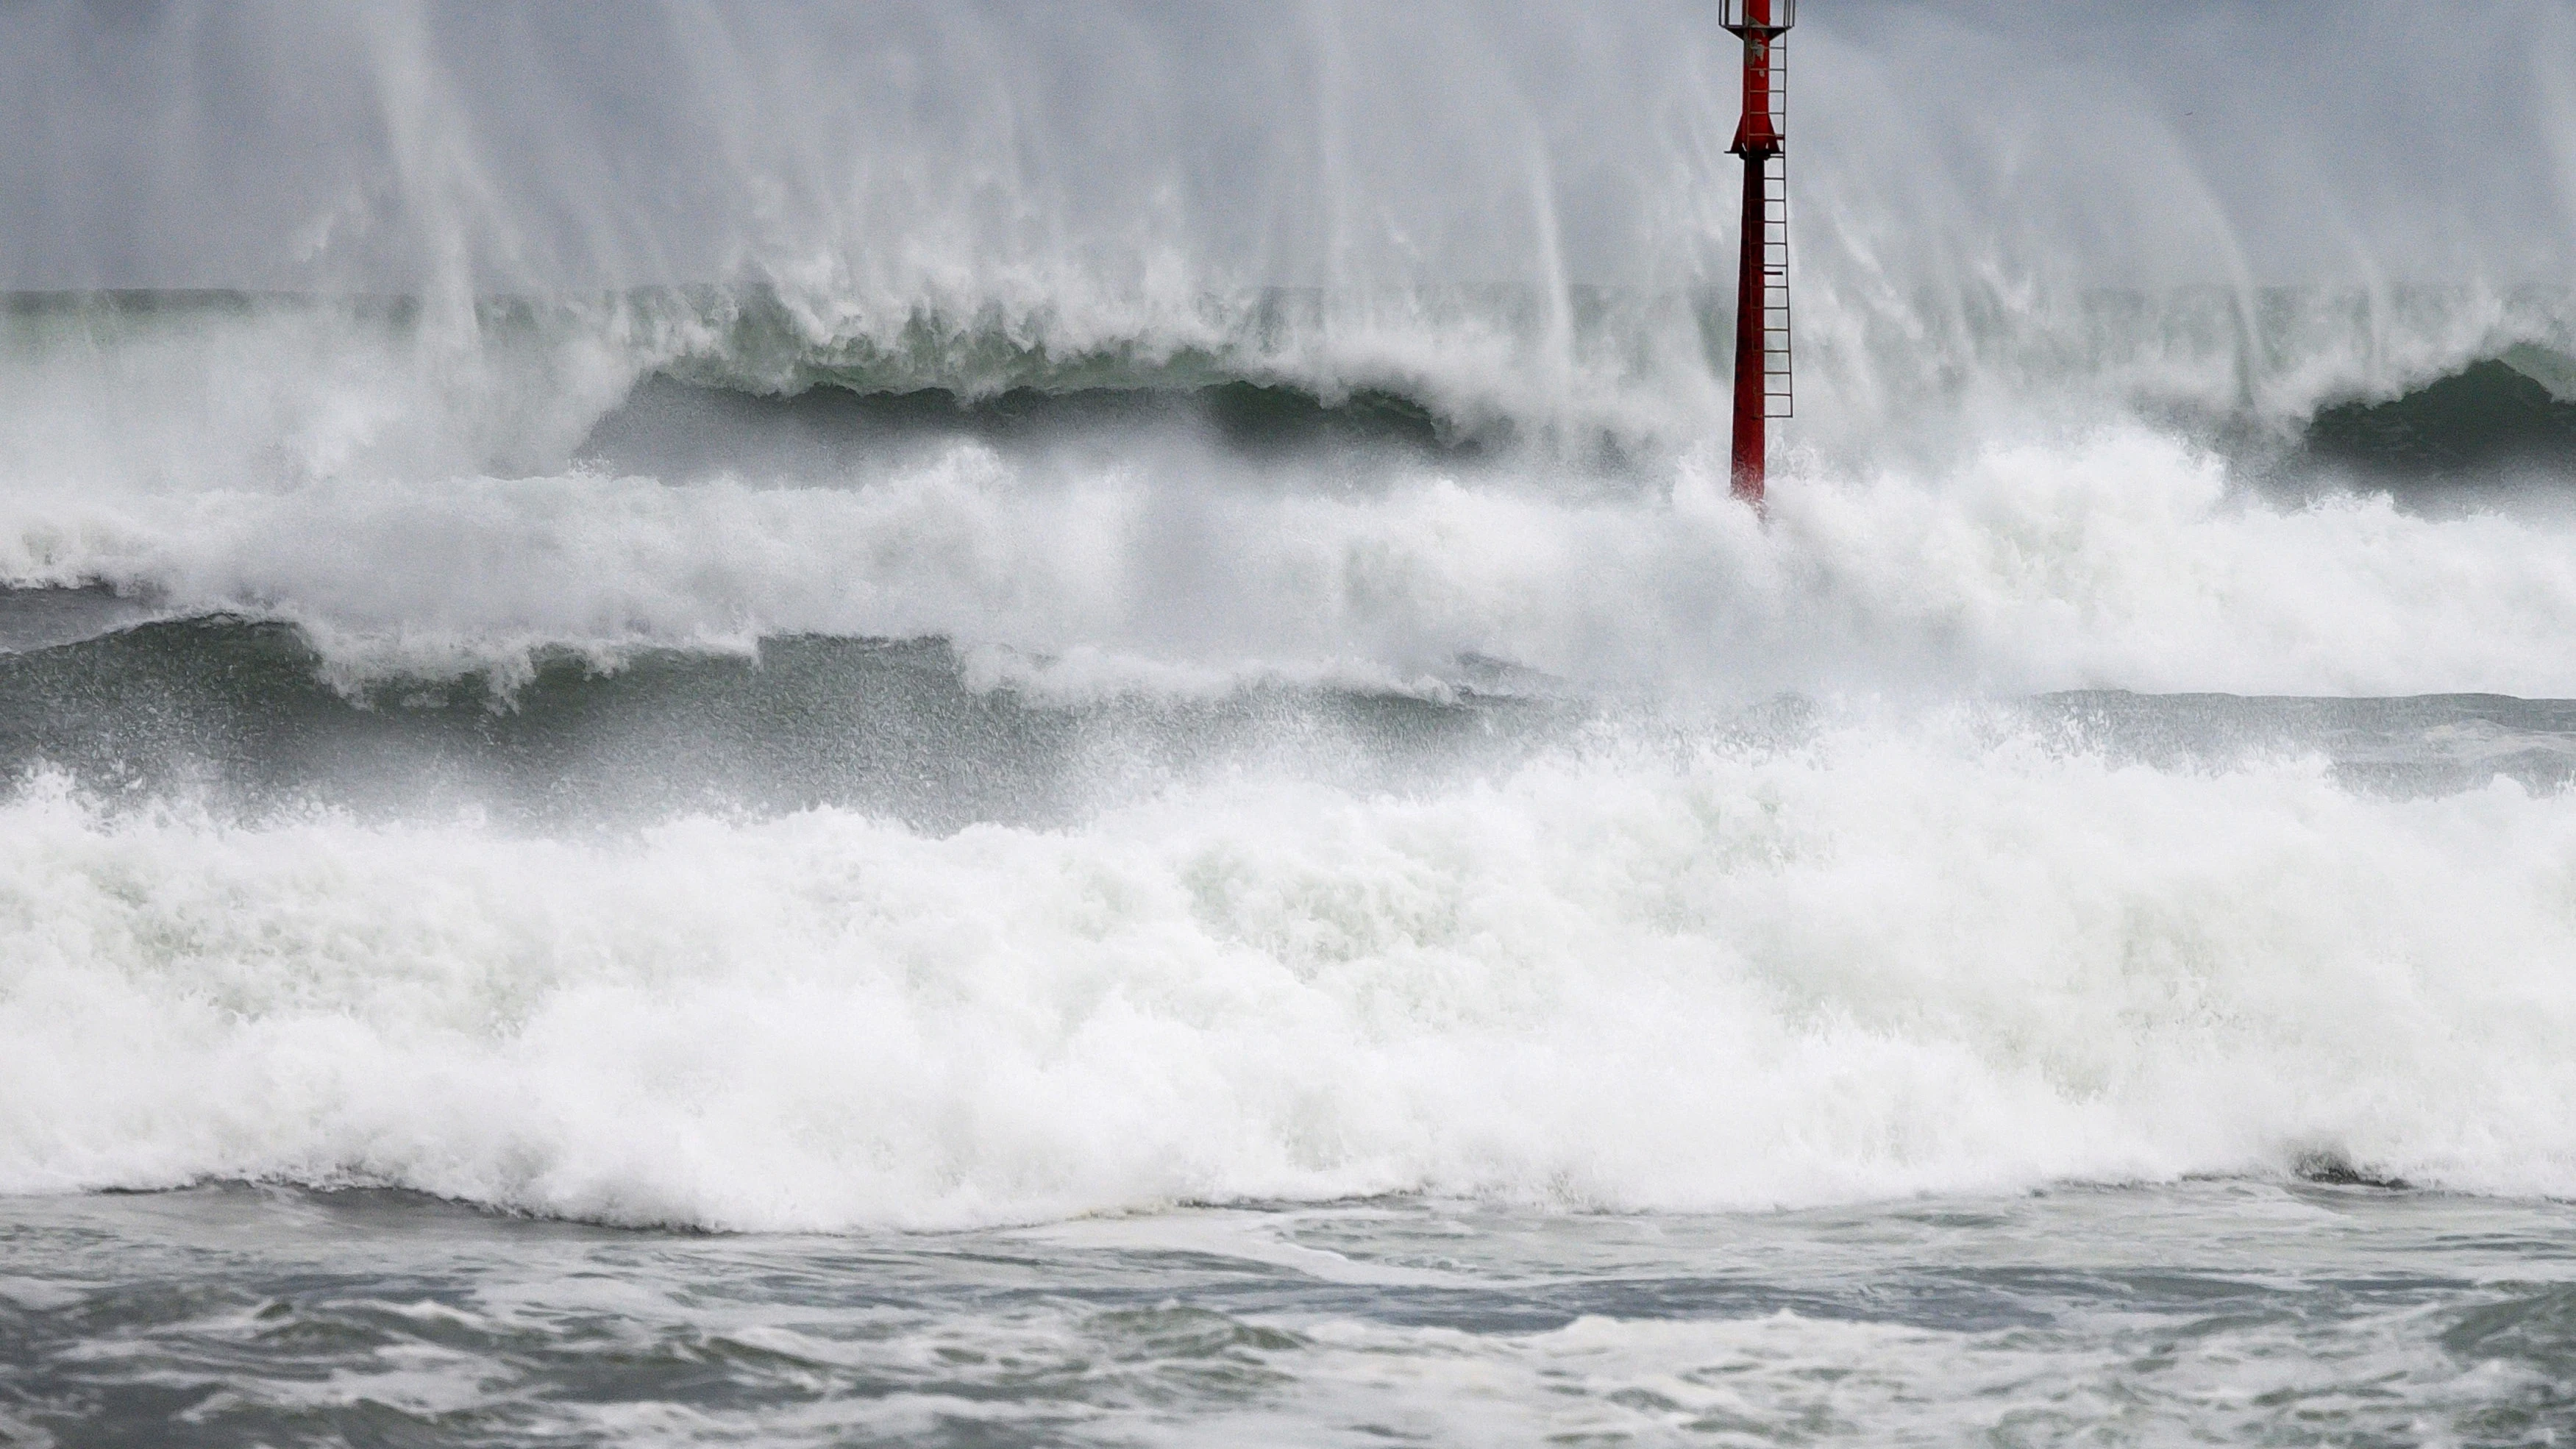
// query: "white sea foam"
[[1905, 958], [2114, 558]]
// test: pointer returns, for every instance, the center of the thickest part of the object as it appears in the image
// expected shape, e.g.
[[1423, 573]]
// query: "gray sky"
[[1160, 147]]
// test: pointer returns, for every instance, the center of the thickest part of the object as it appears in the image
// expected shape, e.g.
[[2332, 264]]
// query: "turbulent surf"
[[1029, 656]]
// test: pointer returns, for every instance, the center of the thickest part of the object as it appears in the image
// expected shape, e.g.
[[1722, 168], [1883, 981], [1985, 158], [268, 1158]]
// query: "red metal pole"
[[1751, 438], [1757, 140]]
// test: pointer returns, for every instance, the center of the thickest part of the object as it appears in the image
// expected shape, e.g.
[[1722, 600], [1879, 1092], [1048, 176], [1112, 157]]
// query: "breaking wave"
[[1678, 974]]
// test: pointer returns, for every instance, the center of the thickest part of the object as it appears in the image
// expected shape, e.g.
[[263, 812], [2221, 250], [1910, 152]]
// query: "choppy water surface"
[[2213, 1312]]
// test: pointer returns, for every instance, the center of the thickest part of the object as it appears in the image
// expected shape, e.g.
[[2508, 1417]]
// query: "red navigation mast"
[[1762, 279]]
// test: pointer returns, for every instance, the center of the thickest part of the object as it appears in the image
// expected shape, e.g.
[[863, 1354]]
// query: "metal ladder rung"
[[1772, 257]]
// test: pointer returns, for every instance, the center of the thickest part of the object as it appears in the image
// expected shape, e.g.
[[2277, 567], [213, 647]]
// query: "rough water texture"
[[1049, 752], [2226, 1312]]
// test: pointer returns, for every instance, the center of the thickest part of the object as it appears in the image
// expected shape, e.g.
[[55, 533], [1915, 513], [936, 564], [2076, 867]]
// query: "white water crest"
[[2118, 559], [1932, 959]]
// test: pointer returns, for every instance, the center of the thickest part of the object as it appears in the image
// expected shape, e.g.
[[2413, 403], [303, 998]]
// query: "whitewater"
[[970, 725]]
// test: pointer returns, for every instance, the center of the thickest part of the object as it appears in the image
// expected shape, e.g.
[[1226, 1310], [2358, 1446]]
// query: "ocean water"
[[747, 725], [2202, 1312]]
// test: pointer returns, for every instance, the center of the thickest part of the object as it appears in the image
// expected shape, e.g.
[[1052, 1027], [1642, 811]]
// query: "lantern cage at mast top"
[[1743, 15]]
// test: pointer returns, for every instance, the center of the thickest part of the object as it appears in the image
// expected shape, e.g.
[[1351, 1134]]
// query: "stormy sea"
[[967, 724]]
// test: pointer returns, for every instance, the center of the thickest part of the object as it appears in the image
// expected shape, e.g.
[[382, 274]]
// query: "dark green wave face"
[[2488, 417], [240, 714], [679, 431], [244, 715], [2489, 421]]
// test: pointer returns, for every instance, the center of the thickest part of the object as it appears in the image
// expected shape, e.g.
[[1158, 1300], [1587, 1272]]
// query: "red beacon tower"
[[1762, 277]]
